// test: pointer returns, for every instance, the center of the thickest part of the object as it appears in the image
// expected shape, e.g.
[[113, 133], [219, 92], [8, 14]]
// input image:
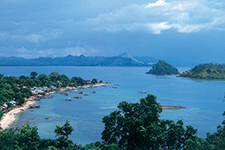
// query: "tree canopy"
[[134, 126], [206, 71]]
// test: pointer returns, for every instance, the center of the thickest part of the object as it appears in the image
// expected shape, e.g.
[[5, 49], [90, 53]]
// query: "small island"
[[206, 71], [163, 68]]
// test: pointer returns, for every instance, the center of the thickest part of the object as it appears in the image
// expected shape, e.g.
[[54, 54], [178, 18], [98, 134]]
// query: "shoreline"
[[9, 117]]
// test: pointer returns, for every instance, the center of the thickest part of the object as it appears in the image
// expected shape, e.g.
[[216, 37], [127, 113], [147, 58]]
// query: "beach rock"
[[42, 97], [34, 106]]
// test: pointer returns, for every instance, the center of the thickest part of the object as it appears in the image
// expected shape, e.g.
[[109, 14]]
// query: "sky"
[[185, 32]]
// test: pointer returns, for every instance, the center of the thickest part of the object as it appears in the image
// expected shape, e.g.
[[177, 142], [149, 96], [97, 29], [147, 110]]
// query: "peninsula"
[[20, 93], [206, 71], [163, 68]]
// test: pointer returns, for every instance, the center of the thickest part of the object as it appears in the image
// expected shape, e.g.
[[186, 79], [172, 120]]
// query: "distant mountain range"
[[120, 60]]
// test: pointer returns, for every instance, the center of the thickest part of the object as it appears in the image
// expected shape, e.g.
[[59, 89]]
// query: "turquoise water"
[[203, 99]]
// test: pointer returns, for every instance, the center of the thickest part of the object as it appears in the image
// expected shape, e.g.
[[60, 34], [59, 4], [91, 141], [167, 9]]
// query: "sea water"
[[203, 99]]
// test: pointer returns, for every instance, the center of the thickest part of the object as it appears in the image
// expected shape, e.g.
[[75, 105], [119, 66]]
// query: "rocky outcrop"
[[173, 107]]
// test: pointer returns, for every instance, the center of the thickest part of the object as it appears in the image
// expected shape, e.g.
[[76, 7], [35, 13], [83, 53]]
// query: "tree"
[[94, 81], [7, 141], [53, 76], [44, 80], [33, 74], [1, 114], [26, 92], [217, 139], [19, 99], [137, 126], [2, 99], [63, 135], [8, 94], [63, 79], [27, 137]]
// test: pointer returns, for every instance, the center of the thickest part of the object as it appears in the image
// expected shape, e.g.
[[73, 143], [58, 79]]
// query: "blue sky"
[[184, 32]]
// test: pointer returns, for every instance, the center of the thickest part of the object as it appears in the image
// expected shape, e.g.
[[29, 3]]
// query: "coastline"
[[9, 117]]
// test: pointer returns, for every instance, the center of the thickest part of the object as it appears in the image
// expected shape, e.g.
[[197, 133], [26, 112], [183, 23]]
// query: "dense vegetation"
[[17, 88], [134, 126], [163, 68], [206, 71]]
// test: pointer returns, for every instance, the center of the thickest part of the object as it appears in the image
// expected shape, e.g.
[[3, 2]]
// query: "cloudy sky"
[[181, 31]]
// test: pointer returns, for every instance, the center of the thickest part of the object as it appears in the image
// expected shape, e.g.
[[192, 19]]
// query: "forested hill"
[[206, 71], [163, 68], [120, 60]]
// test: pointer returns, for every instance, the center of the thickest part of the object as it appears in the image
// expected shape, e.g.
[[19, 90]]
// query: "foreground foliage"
[[134, 126]]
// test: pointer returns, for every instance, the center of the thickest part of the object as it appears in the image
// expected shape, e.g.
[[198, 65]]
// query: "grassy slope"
[[206, 71]]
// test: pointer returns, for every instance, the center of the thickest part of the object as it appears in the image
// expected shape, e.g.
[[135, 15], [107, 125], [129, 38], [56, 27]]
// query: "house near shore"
[[88, 81], [4, 106], [13, 103], [42, 90]]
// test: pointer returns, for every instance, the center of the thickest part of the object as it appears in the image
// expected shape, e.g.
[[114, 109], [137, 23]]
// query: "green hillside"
[[163, 68], [206, 71]]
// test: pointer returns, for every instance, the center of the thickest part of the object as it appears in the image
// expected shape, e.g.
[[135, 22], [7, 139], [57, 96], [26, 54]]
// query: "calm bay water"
[[203, 99]]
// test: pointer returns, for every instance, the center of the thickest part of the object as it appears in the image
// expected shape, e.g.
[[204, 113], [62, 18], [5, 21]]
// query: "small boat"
[[69, 99], [75, 91], [114, 87], [77, 97], [66, 94], [142, 92]]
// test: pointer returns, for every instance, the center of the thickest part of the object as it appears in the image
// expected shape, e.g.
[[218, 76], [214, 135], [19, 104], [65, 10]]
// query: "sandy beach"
[[9, 117]]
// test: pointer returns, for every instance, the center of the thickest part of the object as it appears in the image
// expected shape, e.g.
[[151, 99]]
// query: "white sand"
[[9, 117]]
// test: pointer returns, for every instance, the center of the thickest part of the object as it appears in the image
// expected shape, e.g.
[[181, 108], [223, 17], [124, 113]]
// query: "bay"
[[203, 99]]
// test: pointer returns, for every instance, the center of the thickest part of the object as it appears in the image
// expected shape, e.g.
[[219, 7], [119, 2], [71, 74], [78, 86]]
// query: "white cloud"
[[184, 16], [44, 35], [21, 50], [60, 52], [156, 28], [34, 38], [158, 3]]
